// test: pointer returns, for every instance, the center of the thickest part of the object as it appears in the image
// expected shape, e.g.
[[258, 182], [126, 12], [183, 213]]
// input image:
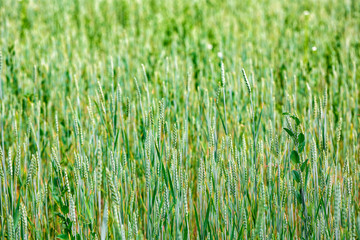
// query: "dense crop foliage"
[[200, 119]]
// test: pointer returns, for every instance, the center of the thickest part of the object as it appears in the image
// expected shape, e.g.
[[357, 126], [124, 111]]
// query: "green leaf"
[[17, 213], [297, 120], [294, 157], [65, 209], [62, 236], [298, 196], [222, 120], [104, 224], [289, 132], [171, 185], [258, 124], [197, 222], [206, 219], [88, 210], [157, 150], [296, 175], [306, 175], [153, 197], [116, 139], [301, 138], [301, 147], [304, 165]]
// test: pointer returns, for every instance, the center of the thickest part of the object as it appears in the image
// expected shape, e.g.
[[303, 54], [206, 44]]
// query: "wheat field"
[[166, 119]]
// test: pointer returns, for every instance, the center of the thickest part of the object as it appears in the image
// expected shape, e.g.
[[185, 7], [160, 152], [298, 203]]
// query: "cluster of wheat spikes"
[[128, 119]]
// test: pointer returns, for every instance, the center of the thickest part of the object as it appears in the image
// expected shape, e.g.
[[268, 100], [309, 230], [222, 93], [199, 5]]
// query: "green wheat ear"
[[32, 170], [222, 74], [24, 220], [246, 80], [10, 228], [337, 210]]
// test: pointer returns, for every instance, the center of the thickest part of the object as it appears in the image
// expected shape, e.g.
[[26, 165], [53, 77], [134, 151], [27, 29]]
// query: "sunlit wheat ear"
[[218, 92], [72, 214], [114, 193], [246, 80], [344, 210], [32, 170], [17, 161], [135, 223], [337, 210], [123, 232], [101, 92], [56, 123], [24, 220], [338, 131], [315, 110], [10, 228], [67, 185], [313, 153], [10, 163], [222, 74]]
